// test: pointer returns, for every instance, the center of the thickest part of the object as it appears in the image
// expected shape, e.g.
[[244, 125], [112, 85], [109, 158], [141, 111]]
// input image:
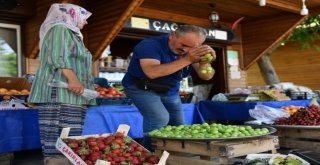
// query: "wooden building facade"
[[260, 29], [292, 64]]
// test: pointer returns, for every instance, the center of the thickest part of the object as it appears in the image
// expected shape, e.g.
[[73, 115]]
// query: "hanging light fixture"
[[262, 2], [213, 16], [304, 10]]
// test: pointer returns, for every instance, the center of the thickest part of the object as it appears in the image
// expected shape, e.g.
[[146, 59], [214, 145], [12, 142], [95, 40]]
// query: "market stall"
[[20, 128]]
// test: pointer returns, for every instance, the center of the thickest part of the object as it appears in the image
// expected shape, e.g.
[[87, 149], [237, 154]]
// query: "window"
[[10, 50]]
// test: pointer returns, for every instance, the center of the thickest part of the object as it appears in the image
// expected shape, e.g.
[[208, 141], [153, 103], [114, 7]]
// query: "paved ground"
[[30, 157], [34, 157]]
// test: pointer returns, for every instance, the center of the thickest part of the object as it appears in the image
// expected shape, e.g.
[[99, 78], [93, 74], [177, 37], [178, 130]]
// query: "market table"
[[20, 128], [238, 111], [106, 119]]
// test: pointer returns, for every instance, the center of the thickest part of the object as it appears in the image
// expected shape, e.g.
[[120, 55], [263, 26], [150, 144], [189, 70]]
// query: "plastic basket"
[[113, 101], [299, 95]]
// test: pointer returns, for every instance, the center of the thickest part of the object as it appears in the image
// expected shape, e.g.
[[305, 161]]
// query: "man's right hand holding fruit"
[[202, 57]]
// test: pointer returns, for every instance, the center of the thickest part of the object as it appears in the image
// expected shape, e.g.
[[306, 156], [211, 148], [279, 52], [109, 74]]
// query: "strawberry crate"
[[80, 151]]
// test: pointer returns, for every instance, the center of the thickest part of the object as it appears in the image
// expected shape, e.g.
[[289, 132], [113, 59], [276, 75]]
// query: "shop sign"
[[168, 26]]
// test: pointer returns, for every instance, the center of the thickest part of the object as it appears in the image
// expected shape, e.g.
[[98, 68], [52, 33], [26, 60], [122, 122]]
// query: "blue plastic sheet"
[[238, 111], [106, 119]]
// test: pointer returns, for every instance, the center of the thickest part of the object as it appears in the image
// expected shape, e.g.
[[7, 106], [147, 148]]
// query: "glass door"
[[10, 50]]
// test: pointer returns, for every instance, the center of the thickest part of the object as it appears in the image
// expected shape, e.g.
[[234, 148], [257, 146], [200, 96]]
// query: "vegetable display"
[[109, 92], [207, 131]]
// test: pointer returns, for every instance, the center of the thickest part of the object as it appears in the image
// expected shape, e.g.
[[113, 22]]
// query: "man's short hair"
[[182, 29]]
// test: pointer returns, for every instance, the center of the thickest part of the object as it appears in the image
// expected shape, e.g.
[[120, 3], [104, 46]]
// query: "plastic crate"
[[300, 95], [113, 101]]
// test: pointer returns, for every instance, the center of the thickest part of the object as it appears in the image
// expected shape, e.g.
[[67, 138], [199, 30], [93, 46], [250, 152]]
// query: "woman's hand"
[[74, 84]]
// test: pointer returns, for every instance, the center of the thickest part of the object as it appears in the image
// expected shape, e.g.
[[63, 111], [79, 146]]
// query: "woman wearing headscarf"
[[63, 57]]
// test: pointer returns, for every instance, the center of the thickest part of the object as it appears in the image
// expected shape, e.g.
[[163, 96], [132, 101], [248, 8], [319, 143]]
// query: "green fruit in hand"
[[207, 58], [204, 71], [208, 70]]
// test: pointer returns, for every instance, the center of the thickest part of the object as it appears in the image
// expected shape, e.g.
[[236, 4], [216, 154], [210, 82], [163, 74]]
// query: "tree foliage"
[[307, 33]]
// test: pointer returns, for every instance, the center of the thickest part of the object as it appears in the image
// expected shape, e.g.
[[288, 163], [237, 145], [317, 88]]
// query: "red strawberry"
[[73, 145], [115, 151], [107, 141], [91, 139], [88, 162], [127, 155], [94, 143], [94, 148], [119, 134], [94, 156], [142, 159], [116, 159], [83, 157], [102, 146], [119, 141], [82, 142], [139, 148], [153, 159], [134, 145]]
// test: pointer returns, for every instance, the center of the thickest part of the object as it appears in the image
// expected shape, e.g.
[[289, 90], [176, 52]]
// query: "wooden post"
[[267, 70]]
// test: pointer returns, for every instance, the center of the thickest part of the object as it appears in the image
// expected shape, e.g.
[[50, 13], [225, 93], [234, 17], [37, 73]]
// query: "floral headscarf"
[[66, 14]]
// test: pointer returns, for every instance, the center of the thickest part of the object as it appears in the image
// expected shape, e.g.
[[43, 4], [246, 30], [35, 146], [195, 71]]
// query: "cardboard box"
[[76, 160], [16, 83]]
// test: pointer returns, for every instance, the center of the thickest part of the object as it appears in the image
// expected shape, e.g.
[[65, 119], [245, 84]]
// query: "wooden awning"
[[262, 28]]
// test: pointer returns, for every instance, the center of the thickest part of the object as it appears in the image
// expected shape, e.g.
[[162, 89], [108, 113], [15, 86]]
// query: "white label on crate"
[[67, 151], [123, 128], [65, 132], [163, 158], [101, 162]]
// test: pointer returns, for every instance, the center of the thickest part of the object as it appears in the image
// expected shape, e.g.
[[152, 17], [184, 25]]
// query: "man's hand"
[[196, 54], [203, 66]]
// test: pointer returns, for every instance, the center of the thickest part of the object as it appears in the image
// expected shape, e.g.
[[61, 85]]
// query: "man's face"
[[182, 44]]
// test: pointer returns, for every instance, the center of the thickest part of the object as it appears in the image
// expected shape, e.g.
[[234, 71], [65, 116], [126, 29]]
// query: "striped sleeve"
[[60, 46]]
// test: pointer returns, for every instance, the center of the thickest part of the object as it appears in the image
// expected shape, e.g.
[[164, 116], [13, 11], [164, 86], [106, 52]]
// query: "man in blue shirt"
[[166, 60]]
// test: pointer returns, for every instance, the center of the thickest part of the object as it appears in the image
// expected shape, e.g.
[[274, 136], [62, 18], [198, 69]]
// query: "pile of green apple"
[[207, 131], [207, 58]]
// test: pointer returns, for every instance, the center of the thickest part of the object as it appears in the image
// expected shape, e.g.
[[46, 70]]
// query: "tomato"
[[102, 93], [112, 92]]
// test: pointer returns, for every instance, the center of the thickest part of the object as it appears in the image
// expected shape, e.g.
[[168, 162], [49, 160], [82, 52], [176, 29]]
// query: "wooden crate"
[[213, 152], [304, 138]]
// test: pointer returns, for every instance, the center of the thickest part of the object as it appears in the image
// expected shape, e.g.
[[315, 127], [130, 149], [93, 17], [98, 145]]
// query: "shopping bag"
[[268, 115]]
